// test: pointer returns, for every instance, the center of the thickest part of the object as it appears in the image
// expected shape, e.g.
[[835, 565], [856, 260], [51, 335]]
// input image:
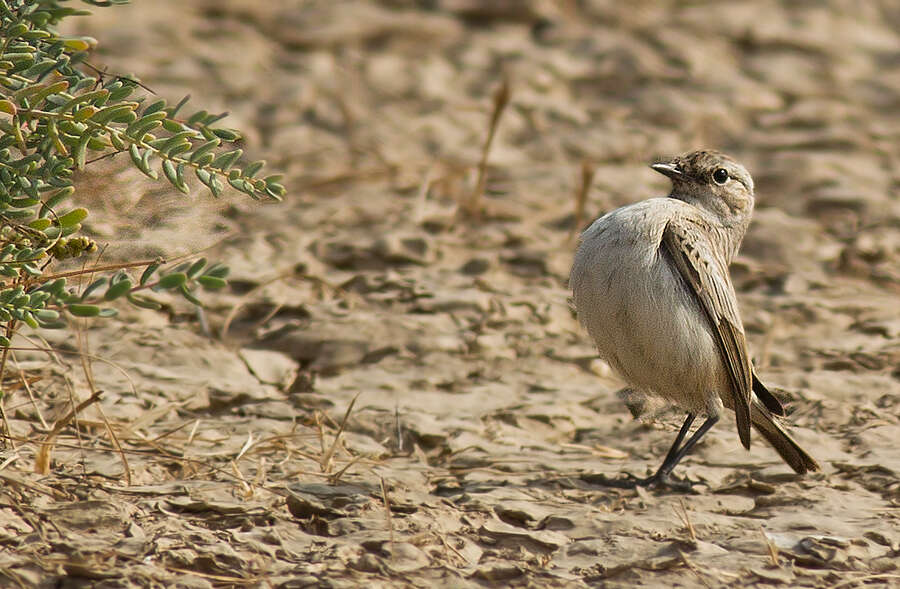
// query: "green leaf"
[[55, 288], [116, 138], [197, 117], [43, 93], [157, 106], [29, 320], [218, 270], [97, 96], [252, 169], [176, 139], [212, 282], [172, 175], [145, 165], [144, 302], [55, 199], [73, 217], [204, 149], [173, 280], [92, 287], [118, 289], [81, 150], [196, 268], [227, 159], [21, 203], [110, 113], [148, 272], [172, 126], [187, 294], [16, 30], [83, 114], [46, 315], [229, 135], [145, 123], [79, 43], [11, 293], [80, 310], [174, 109]]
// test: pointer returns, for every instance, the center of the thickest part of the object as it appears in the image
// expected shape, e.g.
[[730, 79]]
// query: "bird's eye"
[[720, 176]]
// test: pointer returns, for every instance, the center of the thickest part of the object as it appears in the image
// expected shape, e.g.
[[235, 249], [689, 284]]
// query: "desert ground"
[[394, 391]]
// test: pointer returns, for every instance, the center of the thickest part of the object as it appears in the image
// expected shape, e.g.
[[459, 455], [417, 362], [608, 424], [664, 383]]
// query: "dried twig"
[[584, 188], [472, 206]]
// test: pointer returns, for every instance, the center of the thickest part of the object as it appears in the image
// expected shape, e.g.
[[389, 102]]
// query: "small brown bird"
[[651, 286]]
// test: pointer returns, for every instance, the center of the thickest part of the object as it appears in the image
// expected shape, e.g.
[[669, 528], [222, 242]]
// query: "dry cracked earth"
[[394, 394]]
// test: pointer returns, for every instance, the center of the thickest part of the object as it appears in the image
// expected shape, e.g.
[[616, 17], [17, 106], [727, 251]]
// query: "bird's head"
[[711, 181]]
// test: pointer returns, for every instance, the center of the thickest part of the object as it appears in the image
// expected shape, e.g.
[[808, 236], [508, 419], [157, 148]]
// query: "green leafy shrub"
[[57, 114]]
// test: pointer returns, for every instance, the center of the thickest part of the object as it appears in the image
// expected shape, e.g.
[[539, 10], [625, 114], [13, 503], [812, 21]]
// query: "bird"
[[651, 286]]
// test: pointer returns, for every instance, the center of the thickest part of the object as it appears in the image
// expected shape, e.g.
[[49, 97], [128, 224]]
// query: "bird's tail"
[[784, 444]]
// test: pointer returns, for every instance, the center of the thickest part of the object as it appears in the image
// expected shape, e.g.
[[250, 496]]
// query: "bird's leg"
[[674, 456], [676, 453]]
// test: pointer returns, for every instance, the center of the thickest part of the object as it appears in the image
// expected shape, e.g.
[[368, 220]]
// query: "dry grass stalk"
[[770, 546], [686, 520], [42, 459], [106, 268], [193, 433], [325, 461], [26, 384], [336, 477], [472, 207], [88, 370], [248, 490], [584, 188], [247, 445]]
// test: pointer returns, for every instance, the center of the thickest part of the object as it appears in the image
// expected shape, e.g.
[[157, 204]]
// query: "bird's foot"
[[663, 481]]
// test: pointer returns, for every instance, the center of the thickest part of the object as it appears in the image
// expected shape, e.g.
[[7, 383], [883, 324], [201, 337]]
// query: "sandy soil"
[[391, 394]]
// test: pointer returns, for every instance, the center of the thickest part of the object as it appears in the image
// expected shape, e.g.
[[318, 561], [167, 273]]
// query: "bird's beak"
[[668, 169]]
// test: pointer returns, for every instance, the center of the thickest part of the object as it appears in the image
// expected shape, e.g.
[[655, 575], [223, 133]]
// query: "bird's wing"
[[706, 274]]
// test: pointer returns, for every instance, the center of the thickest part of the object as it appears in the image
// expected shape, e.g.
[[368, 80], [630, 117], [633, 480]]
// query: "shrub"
[[57, 115]]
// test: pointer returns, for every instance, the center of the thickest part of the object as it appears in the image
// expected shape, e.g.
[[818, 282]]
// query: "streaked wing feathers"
[[707, 275]]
